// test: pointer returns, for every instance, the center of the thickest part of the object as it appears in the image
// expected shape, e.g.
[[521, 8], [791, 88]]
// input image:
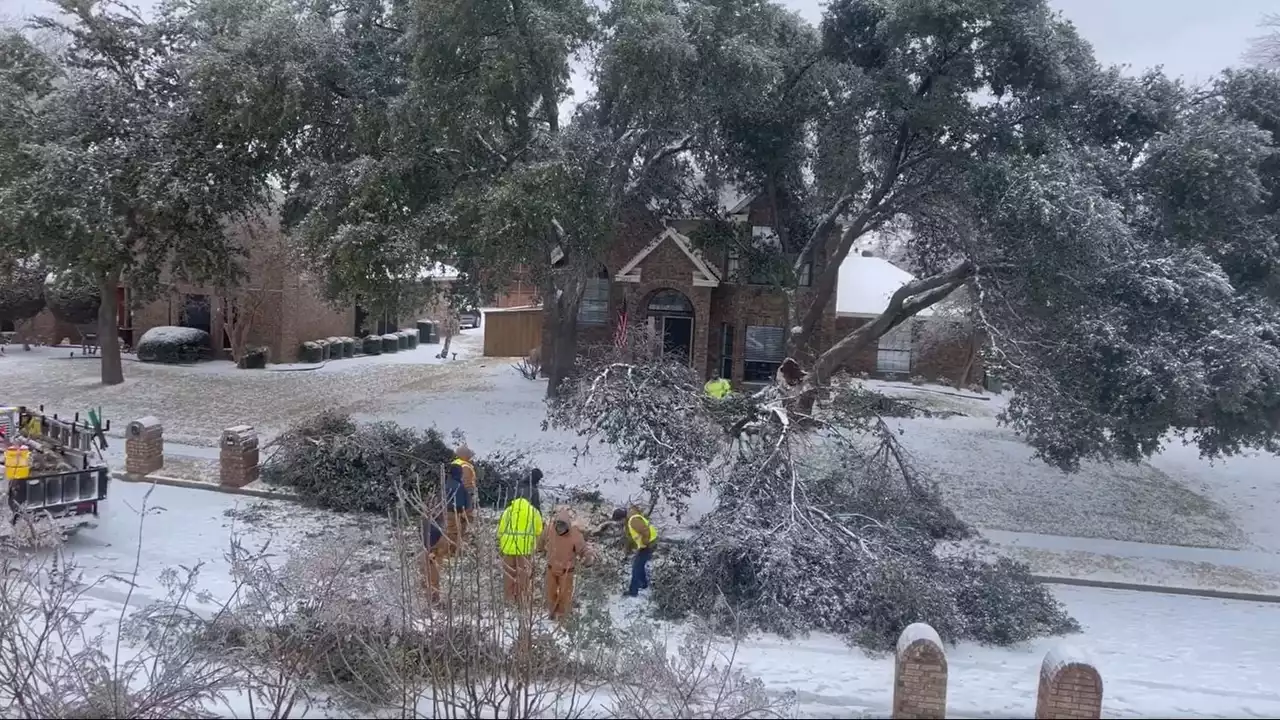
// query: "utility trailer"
[[54, 466]]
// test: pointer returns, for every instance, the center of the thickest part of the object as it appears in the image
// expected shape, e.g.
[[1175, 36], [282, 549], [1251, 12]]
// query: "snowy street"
[[1159, 655]]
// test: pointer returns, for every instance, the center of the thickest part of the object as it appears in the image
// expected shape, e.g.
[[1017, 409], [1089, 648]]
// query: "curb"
[[1166, 589], [206, 486]]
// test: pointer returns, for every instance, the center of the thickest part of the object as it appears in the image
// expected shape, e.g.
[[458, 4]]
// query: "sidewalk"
[[1117, 563]]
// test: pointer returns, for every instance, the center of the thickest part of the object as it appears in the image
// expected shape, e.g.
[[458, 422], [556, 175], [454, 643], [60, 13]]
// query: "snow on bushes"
[[73, 297], [334, 462], [171, 344], [21, 289], [821, 520]]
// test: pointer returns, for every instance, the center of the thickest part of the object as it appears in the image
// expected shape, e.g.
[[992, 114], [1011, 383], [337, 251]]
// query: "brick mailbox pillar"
[[1070, 686], [920, 674], [238, 459], [143, 446]]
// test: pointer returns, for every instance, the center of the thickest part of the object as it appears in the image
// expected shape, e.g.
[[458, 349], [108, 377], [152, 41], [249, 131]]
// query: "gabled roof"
[[703, 274], [744, 204], [866, 284]]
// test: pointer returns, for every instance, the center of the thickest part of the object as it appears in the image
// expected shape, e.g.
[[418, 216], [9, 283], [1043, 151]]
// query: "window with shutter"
[[594, 308], [763, 352], [894, 352]]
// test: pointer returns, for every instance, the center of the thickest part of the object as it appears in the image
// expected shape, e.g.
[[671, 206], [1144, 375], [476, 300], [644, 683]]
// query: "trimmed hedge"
[[172, 344], [311, 352], [255, 358], [372, 345]]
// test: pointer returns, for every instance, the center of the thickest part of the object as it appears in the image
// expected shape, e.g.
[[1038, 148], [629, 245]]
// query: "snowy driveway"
[[1160, 655]]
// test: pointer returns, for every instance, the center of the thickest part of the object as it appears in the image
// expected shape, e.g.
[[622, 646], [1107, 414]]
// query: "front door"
[[677, 336]]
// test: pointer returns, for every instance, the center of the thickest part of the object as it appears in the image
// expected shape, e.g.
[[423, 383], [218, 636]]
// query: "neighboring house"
[[921, 346], [286, 304], [722, 320]]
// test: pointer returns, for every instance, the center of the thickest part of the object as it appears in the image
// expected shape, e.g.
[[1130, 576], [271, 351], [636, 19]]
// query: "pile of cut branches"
[[334, 462]]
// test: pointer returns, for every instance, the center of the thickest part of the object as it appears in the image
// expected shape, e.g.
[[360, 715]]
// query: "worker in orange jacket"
[[564, 545]]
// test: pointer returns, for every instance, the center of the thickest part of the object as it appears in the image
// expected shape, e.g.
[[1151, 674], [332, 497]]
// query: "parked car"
[[469, 319]]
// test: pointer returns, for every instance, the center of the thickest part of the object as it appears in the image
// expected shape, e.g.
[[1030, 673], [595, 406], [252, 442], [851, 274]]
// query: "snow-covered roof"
[[866, 284]]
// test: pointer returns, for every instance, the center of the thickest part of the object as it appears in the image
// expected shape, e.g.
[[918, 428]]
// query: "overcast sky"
[[1191, 38]]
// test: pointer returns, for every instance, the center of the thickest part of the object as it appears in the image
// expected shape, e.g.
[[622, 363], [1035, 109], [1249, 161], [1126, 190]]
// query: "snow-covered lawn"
[[196, 402], [986, 472], [1159, 655]]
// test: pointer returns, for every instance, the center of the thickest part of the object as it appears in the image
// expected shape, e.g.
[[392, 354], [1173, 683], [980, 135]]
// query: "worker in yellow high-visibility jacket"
[[718, 388], [518, 532], [643, 536]]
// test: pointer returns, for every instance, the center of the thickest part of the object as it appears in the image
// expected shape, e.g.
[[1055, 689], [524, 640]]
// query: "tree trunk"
[[109, 331], [970, 357], [564, 344]]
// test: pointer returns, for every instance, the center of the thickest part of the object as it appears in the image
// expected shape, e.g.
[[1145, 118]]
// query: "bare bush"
[[528, 368], [697, 680], [62, 658]]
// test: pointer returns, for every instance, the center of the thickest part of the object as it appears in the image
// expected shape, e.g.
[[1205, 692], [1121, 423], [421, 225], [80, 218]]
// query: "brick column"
[[1070, 687], [238, 459], [920, 674], [144, 446]]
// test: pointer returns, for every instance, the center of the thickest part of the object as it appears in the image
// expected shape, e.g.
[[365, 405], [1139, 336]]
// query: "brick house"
[[286, 302], [728, 323]]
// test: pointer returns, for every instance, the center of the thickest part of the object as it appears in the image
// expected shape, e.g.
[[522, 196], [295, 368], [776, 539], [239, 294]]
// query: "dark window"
[[805, 279], [196, 313], [763, 352], [670, 302], [726, 351], [7, 326], [594, 308]]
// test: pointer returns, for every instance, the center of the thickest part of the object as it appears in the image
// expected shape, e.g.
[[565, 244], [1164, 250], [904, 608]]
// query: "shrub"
[[311, 352], [390, 343], [371, 345], [918, 380], [171, 344], [348, 347], [73, 298], [255, 358], [21, 290]]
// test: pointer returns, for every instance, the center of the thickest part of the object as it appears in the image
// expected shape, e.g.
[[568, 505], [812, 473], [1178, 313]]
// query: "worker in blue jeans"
[[643, 537]]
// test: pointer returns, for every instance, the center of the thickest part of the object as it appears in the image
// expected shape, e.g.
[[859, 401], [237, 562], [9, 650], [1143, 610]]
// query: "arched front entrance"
[[670, 314]]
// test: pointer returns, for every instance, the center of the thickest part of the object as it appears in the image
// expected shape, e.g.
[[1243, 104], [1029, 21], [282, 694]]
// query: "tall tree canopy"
[[129, 160]]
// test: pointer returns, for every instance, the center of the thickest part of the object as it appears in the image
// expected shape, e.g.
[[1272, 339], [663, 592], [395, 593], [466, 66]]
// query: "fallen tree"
[[821, 520]]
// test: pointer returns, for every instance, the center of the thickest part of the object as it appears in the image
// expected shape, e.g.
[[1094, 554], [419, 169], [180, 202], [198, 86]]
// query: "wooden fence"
[[512, 332]]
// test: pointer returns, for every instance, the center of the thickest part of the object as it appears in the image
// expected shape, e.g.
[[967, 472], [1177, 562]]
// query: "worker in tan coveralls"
[[564, 545]]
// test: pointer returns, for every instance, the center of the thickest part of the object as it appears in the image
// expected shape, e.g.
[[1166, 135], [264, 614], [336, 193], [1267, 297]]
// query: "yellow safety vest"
[[718, 388], [635, 536], [519, 528]]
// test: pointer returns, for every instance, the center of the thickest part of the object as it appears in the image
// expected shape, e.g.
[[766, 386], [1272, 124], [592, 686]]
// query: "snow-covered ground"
[[1159, 655], [196, 402]]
